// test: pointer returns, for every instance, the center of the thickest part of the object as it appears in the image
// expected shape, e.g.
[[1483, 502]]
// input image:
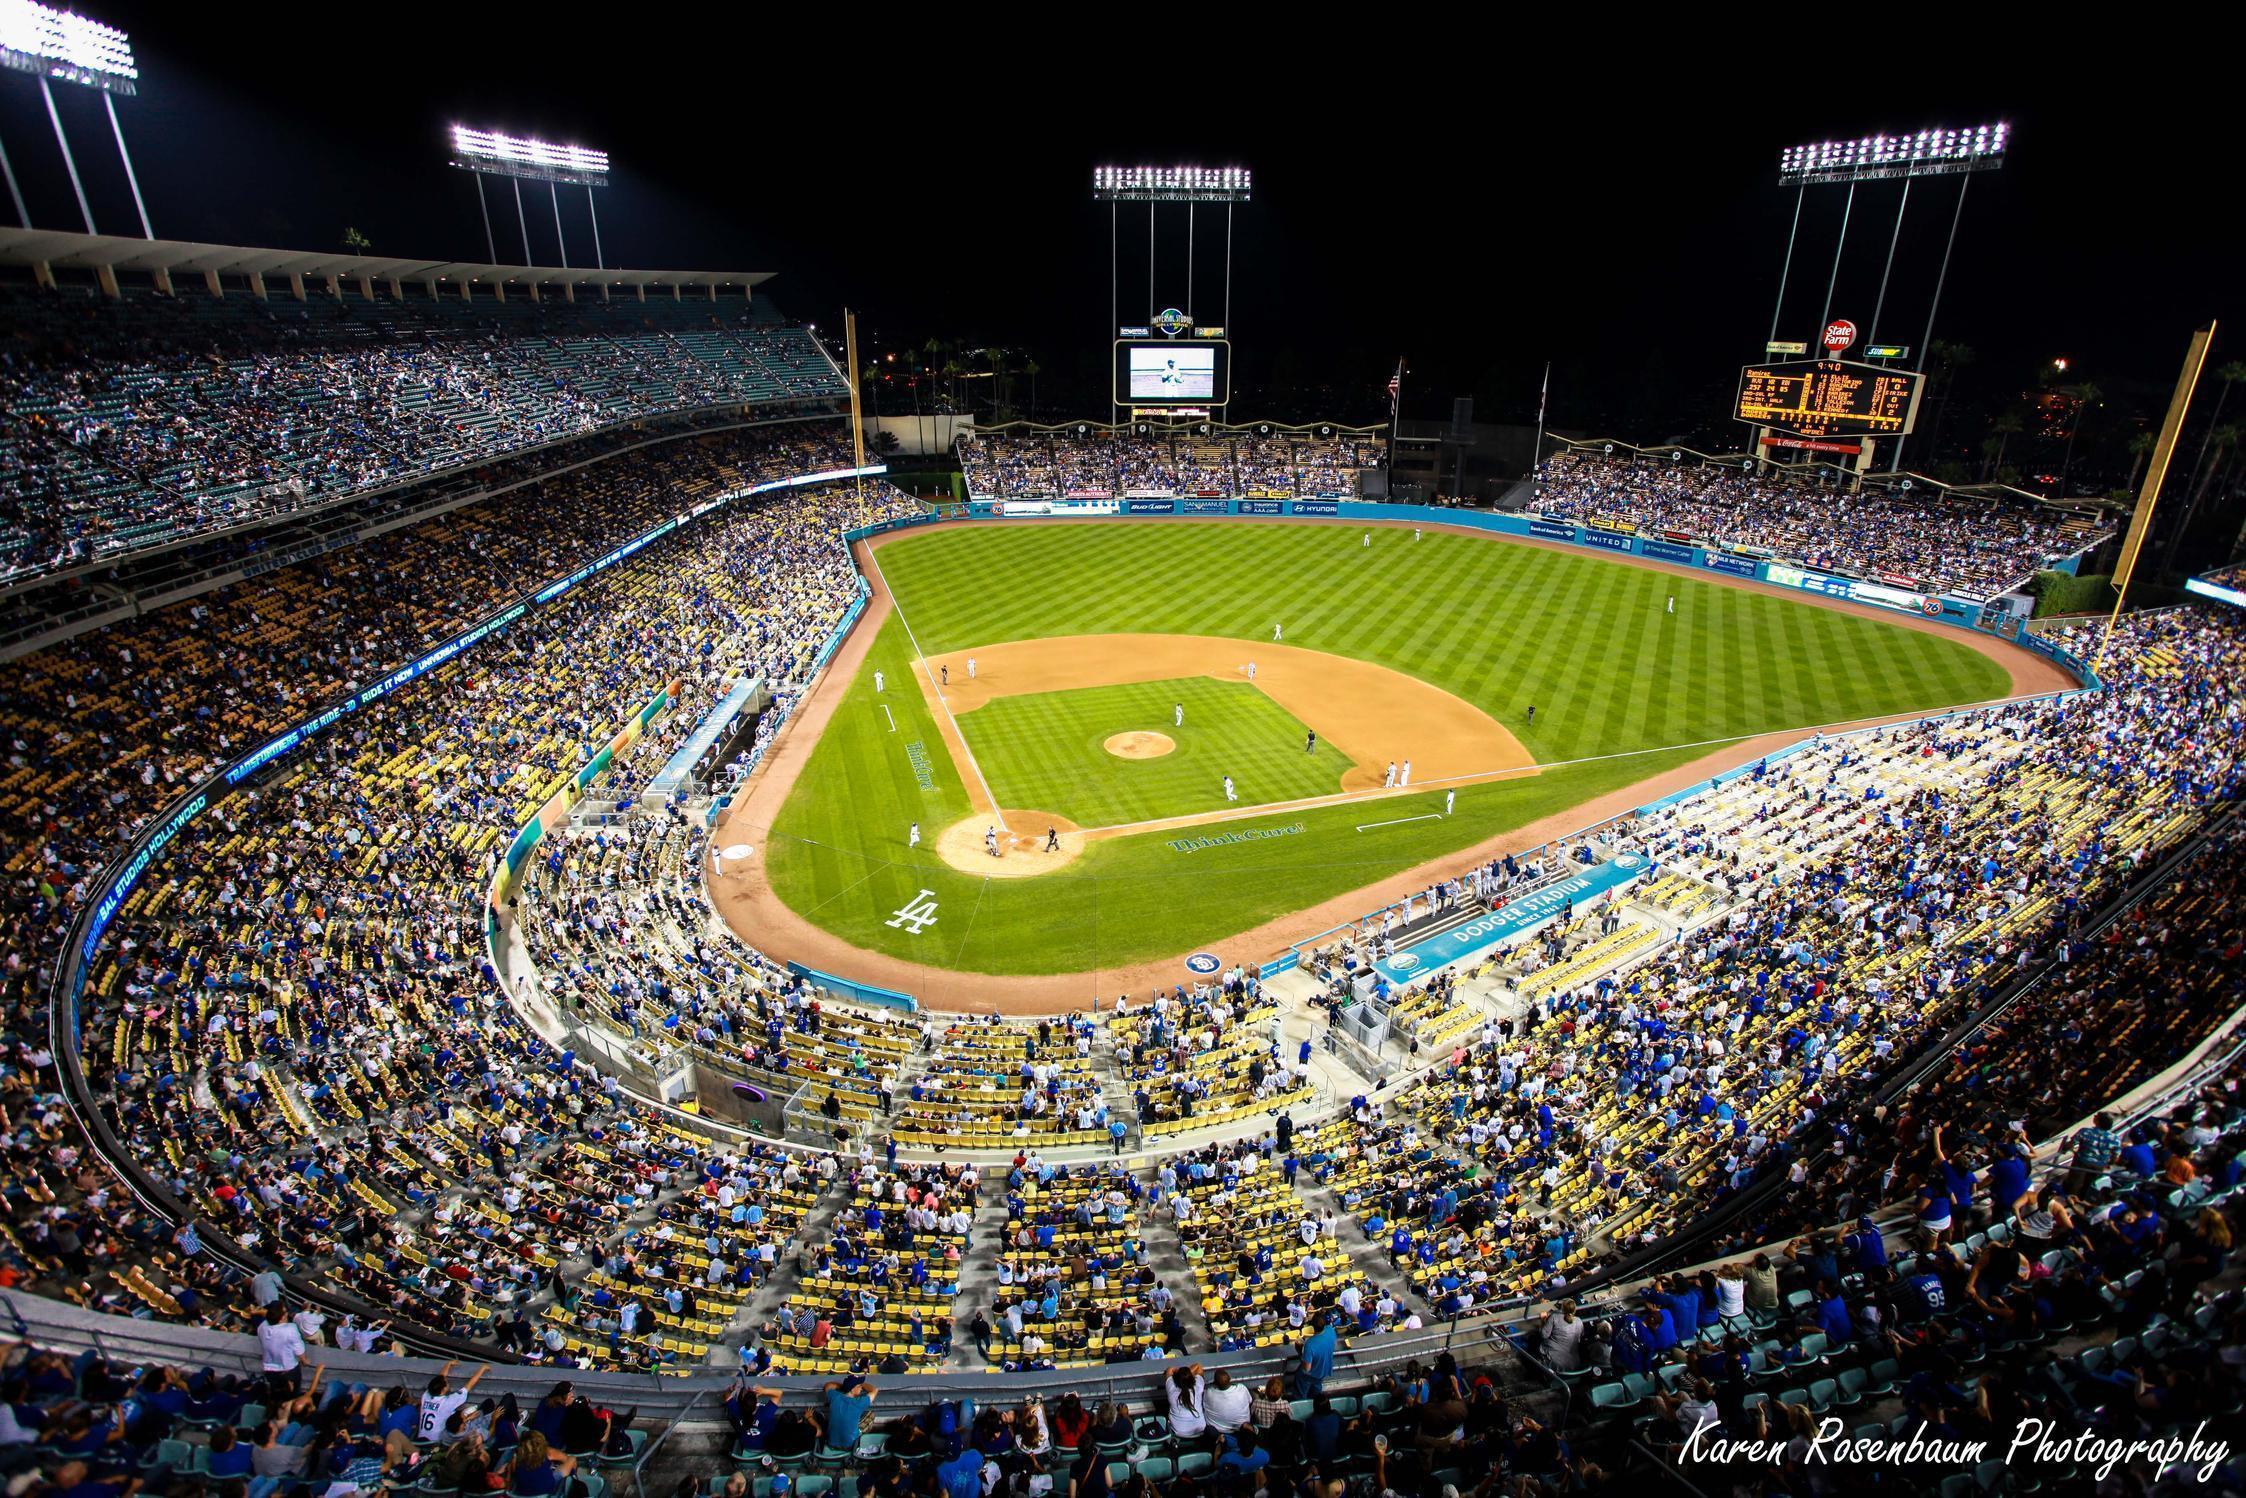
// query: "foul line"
[[1425, 816], [897, 605], [892, 717]]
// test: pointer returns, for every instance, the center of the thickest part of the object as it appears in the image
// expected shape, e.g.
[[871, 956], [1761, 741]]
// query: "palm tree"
[[2002, 431], [1029, 367], [2084, 396], [2230, 374], [871, 380], [2224, 441], [2139, 446], [1949, 358], [931, 348]]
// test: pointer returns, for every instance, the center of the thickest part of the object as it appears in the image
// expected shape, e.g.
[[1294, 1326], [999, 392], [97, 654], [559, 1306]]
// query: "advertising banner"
[[1153, 506], [1212, 507], [1611, 540], [1422, 958], [1316, 507], [1716, 561], [1666, 551], [1263, 507], [1556, 530]]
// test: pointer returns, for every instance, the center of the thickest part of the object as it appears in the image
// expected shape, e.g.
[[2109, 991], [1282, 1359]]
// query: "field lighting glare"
[[1936, 152], [1171, 184], [521, 156], [66, 47]]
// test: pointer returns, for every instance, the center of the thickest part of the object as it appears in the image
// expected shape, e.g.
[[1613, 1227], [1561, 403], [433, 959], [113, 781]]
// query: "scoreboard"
[[1829, 398]]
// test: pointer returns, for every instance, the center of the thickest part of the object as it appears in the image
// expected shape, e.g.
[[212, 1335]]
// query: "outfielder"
[[880, 682], [1368, 538], [912, 838], [1672, 603], [1450, 799], [1229, 793]]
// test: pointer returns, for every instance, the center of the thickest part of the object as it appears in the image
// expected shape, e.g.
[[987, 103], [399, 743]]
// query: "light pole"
[[56, 46], [490, 153]]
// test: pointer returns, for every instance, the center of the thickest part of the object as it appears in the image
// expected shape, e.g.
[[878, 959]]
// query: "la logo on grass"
[[917, 915]]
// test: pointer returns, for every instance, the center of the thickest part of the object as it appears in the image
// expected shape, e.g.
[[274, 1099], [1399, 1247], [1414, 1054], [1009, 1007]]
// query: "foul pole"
[[2171, 427]]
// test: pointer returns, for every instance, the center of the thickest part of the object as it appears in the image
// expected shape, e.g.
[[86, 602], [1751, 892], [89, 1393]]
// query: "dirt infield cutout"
[[1021, 843], [1139, 744], [1370, 713]]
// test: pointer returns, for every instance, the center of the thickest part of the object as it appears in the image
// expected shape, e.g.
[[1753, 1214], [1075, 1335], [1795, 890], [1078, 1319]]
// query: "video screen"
[[1170, 374]]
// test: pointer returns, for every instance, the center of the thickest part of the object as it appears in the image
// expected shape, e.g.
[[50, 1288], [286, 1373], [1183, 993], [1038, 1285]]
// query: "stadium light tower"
[[58, 45], [1939, 151], [489, 153], [1155, 185]]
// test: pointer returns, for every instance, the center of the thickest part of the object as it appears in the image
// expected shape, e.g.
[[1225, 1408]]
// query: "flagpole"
[[1395, 422], [1536, 458]]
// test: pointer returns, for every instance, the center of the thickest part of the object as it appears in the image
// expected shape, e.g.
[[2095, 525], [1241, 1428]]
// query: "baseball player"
[[970, 668], [1405, 778], [1177, 715], [1310, 742], [1388, 782], [1532, 714], [1052, 840], [947, 675], [990, 841], [1415, 533], [880, 682], [1251, 670], [1672, 603], [1368, 538], [1450, 799], [1229, 793], [912, 838], [1278, 633]]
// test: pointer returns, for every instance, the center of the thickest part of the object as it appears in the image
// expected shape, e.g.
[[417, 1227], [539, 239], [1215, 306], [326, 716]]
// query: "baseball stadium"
[[610, 885]]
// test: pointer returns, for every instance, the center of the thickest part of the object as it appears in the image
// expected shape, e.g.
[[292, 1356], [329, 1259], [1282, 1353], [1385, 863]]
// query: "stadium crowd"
[[1977, 546], [1105, 463], [146, 418]]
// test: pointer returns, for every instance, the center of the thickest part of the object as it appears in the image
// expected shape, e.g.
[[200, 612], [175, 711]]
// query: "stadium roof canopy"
[[54, 250]]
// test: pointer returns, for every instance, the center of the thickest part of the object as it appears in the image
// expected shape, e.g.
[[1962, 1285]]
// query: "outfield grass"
[[1044, 750], [1623, 689]]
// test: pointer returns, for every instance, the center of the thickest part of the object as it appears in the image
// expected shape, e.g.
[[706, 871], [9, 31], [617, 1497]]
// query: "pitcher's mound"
[[1021, 845], [1139, 744]]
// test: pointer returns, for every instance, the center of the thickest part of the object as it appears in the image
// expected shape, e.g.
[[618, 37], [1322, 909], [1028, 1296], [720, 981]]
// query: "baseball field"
[[1107, 706]]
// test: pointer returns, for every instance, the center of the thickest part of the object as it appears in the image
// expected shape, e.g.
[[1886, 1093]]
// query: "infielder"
[[1177, 715], [912, 838], [1406, 778], [1388, 782], [1450, 799], [1251, 670], [1278, 633], [970, 668], [990, 841], [1229, 793], [947, 675]]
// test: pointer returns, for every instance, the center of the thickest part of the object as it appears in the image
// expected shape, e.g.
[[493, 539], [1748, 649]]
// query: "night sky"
[[1625, 224]]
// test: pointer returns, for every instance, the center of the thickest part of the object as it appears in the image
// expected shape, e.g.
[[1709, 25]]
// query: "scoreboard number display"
[[1829, 397]]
